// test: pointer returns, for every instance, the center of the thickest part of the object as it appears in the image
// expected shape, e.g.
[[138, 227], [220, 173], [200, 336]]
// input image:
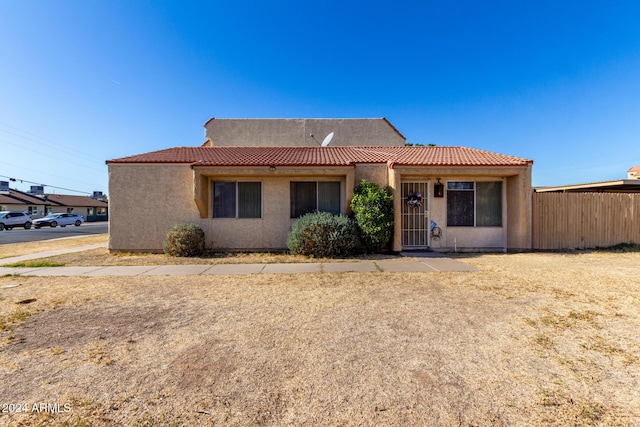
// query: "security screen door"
[[415, 214]]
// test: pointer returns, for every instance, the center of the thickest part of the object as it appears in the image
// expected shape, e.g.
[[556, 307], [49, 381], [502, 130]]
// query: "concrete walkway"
[[409, 262]]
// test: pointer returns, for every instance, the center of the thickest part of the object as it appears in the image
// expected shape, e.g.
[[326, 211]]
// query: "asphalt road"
[[20, 235]]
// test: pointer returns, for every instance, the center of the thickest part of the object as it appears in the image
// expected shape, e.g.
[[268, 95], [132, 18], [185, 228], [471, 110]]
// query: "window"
[[69, 210], [474, 204], [314, 196], [101, 211], [233, 199], [89, 212], [33, 210]]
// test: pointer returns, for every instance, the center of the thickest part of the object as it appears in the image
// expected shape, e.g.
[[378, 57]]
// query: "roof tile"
[[325, 156]]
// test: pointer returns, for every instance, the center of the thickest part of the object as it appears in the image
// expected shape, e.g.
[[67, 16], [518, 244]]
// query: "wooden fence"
[[585, 220]]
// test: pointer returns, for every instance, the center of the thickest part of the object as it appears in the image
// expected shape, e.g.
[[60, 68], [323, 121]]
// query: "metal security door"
[[415, 214]]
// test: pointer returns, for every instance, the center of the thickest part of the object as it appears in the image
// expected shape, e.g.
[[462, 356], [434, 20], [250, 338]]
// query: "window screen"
[[460, 205], [329, 197], [224, 199], [237, 199], [314, 196], [249, 200], [489, 204]]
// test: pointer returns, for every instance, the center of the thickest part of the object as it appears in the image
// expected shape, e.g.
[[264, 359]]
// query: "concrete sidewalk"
[[408, 262], [393, 266]]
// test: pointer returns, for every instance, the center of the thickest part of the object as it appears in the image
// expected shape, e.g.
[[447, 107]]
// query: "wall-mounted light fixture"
[[438, 189]]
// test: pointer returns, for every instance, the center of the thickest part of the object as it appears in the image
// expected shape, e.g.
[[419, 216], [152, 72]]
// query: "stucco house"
[[253, 177]]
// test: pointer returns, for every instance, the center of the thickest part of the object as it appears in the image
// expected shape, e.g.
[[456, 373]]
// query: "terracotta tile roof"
[[19, 197], [71, 200], [324, 156]]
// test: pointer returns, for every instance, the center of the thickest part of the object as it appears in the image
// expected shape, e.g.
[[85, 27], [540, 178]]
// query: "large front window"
[[323, 196], [233, 199], [474, 204]]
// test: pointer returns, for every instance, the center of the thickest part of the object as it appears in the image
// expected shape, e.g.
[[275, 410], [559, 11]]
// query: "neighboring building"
[[629, 185], [38, 206], [247, 197]]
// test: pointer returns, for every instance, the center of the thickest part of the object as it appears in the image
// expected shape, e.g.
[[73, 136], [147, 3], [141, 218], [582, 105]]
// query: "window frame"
[[475, 202], [237, 199], [317, 194]]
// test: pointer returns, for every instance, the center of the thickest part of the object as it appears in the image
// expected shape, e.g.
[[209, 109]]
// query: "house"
[[39, 205], [246, 188]]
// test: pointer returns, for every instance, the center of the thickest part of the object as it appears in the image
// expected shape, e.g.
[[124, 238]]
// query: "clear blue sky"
[[85, 81]]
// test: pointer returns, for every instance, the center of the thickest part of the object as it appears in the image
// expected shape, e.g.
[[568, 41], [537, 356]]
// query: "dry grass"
[[19, 249], [102, 257], [531, 339]]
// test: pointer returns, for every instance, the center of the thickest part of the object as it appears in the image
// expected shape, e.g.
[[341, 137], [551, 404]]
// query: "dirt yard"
[[530, 339]]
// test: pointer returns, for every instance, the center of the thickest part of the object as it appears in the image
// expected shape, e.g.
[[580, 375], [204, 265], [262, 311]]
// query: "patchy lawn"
[[102, 257], [19, 249], [530, 339]]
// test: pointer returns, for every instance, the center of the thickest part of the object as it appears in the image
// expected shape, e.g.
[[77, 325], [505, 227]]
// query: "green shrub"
[[372, 208], [321, 234], [185, 240]]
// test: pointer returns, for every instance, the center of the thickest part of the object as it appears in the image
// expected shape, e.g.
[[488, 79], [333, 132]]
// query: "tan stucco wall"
[[371, 172], [298, 132], [146, 201]]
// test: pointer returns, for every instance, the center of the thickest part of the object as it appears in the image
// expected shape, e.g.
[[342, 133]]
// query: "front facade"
[[247, 197]]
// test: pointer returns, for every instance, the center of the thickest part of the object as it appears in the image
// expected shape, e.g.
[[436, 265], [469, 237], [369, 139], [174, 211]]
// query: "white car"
[[9, 220], [58, 219]]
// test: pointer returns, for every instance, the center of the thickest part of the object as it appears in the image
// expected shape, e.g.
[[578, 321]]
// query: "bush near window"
[[372, 208], [322, 234], [184, 240]]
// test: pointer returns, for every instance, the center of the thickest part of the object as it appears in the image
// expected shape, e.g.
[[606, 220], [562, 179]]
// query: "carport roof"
[[325, 156]]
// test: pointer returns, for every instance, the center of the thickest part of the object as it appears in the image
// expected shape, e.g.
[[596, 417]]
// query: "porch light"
[[438, 189]]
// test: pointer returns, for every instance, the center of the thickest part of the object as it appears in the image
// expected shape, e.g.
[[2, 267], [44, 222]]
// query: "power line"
[[55, 157], [12, 179], [56, 145]]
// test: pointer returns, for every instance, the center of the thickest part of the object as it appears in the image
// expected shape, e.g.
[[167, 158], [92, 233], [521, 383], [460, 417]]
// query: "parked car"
[[10, 219], [58, 219]]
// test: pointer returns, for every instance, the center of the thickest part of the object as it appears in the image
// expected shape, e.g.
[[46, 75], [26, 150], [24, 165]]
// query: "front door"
[[415, 214]]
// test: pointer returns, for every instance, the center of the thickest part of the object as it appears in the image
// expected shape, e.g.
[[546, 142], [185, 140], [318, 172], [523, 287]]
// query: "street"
[[20, 235]]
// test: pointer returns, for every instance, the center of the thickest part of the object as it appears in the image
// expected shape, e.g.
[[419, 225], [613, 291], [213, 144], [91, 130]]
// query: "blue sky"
[[85, 81]]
